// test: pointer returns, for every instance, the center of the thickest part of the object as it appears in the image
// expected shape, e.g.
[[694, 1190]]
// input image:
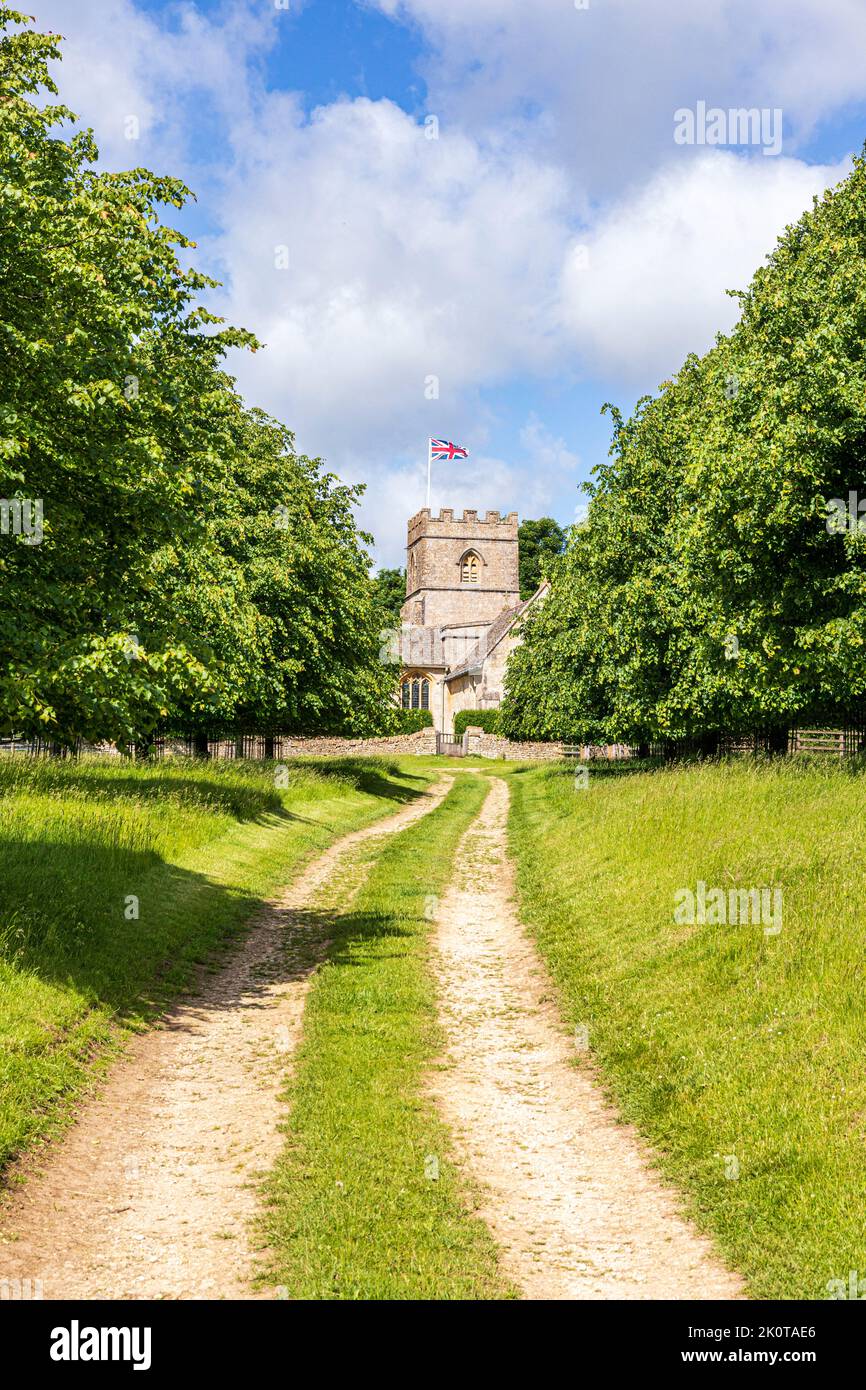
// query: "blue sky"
[[552, 248]]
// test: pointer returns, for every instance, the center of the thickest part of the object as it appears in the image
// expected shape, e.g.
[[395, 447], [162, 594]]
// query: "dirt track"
[[152, 1192], [569, 1193]]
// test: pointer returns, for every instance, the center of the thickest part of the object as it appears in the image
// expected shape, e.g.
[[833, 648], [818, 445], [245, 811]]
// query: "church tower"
[[460, 571], [460, 612]]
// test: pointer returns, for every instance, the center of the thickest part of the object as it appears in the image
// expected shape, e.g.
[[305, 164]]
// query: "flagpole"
[[429, 462]]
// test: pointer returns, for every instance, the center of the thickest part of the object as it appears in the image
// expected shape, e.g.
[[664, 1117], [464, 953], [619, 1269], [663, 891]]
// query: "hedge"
[[486, 719], [409, 721]]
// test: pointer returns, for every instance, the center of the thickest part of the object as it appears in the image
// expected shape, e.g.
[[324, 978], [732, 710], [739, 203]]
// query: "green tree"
[[102, 356], [707, 592], [278, 589], [539, 544], [595, 653], [389, 587], [189, 568]]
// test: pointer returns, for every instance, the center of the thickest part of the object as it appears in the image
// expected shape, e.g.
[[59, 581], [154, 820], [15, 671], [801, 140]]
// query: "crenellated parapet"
[[468, 522]]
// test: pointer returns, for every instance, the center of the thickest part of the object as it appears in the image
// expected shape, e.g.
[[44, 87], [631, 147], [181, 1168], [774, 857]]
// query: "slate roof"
[[494, 634]]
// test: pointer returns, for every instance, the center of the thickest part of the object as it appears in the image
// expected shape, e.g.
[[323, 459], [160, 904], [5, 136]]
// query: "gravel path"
[[567, 1190], [152, 1193]]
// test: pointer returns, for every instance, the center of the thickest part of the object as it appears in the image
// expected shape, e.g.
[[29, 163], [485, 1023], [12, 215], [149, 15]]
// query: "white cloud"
[[408, 260], [651, 287], [600, 85], [171, 72]]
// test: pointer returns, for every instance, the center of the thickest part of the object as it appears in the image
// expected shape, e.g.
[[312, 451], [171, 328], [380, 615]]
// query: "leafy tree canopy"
[[539, 544], [389, 587], [166, 557], [716, 585]]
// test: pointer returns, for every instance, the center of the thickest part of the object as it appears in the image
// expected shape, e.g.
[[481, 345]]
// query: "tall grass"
[[739, 1054], [117, 878]]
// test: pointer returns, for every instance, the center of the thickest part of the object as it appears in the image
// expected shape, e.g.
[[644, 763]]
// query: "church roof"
[[421, 646], [494, 635]]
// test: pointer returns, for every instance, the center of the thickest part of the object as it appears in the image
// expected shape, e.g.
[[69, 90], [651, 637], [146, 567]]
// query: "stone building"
[[460, 614]]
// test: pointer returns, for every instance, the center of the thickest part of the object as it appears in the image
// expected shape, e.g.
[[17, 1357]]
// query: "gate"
[[449, 747]]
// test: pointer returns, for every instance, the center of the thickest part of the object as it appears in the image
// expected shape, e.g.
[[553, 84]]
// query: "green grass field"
[[197, 845], [735, 1052], [366, 1202]]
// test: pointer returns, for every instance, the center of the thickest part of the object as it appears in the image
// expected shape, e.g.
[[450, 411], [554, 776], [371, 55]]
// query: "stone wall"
[[477, 744], [287, 746], [481, 745], [420, 744]]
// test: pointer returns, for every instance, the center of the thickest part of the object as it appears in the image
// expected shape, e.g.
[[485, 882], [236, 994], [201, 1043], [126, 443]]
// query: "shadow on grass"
[[374, 777], [92, 930], [192, 780], [241, 799], [124, 929]]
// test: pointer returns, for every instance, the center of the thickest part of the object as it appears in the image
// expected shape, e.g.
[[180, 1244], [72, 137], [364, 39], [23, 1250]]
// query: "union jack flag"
[[444, 449]]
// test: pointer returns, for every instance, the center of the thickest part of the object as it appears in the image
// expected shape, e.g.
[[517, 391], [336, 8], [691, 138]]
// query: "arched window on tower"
[[469, 568], [415, 692]]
